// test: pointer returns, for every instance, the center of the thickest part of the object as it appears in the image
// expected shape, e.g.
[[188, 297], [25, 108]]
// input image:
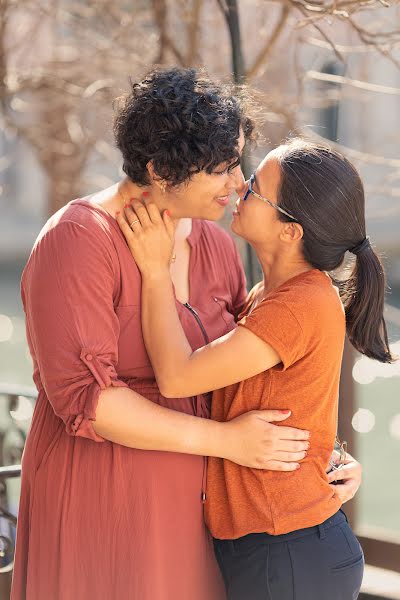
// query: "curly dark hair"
[[181, 121]]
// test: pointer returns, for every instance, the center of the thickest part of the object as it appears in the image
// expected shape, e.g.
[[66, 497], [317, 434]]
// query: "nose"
[[242, 188], [237, 178]]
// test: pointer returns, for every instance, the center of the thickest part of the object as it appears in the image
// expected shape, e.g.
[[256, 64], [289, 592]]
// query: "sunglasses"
[[250, 190]]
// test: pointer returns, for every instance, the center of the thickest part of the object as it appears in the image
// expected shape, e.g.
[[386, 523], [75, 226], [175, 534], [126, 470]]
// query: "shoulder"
[[79, 215], [76, 235], [80, 223], [310, 296]]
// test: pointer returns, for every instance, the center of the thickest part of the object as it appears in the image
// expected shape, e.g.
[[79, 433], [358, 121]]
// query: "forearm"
[[165, 339], [129, 419]]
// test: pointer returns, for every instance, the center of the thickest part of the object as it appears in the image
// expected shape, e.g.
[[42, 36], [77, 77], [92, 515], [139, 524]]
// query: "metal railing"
[[14, 423]]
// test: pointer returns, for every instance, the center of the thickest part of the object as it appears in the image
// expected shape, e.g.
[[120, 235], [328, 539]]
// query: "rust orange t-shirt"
[[304, 321]]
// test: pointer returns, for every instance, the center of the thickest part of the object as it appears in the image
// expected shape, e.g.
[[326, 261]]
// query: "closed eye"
[[229, 168]]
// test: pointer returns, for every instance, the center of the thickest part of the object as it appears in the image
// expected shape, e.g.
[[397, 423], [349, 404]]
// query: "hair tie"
[[361, 247]]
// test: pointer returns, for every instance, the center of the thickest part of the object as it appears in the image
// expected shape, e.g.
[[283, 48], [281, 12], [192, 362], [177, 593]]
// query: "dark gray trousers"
[[325, 562]]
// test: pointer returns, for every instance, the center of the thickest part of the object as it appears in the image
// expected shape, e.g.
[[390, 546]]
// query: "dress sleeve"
[[277, 324], [67, 292]]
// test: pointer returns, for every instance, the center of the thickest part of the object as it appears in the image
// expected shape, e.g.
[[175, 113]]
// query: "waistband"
[[253, 539]]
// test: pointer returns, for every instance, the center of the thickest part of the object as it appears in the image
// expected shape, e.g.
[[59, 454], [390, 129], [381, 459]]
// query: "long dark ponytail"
[[323, 190]]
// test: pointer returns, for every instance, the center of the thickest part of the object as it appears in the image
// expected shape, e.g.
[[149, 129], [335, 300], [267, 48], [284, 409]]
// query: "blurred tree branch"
[[61, 63]]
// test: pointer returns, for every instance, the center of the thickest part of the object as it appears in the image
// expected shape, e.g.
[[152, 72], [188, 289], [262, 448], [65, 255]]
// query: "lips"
[[223, 201]]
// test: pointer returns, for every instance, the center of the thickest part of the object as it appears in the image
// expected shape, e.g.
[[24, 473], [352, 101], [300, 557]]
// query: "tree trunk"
[[231, 14]]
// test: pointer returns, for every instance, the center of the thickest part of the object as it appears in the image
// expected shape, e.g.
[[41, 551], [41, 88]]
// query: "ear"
[[292, 232], [150, 170], [154, 177]]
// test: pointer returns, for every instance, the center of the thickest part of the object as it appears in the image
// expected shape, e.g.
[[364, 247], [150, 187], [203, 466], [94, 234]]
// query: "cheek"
[[191, 198], [202, 194], [258, 221], [254, 214]]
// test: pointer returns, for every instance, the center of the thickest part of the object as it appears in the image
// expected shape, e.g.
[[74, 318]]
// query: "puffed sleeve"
[[72, 329]]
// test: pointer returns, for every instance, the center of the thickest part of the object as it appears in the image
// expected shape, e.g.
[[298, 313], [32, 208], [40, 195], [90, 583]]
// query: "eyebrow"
[[234, 164]]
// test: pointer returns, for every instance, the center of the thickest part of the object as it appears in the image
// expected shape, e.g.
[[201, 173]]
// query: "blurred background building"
[[326, 69]]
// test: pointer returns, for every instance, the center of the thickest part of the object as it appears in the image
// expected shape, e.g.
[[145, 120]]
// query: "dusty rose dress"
[[99, 521]]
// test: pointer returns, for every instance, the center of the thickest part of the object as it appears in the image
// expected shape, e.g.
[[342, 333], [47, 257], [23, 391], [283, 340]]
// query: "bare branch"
[[269, 45], [327, 45], [193, 32], [364, 85], [357, 155], [166, 43]]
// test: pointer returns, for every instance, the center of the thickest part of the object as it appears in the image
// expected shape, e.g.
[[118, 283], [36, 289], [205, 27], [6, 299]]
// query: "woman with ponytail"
[[276, 534], [327, 191]]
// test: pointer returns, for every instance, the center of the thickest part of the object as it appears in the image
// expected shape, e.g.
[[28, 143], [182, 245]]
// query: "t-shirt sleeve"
[[276, 323], [72, 328]]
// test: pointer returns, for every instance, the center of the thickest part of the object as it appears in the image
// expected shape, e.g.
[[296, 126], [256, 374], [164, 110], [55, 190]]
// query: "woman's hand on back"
[[252, 440], [149, 235], [347, 479]]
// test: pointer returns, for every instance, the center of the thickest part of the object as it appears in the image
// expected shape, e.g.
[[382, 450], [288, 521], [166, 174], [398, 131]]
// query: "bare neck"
[[116, 196], [278, 267]]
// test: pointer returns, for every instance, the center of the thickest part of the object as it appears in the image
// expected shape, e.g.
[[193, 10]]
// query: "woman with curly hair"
[[113, 471]]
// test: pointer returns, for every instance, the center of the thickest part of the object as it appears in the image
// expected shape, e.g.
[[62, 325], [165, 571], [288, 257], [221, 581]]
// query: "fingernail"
[[127, 205], [167, 213], [132, 200], [285, 412], [145, 194], [297, 466]]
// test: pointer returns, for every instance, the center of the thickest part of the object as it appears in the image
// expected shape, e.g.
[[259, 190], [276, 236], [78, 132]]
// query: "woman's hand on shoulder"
[[149, 235], [252, 440]]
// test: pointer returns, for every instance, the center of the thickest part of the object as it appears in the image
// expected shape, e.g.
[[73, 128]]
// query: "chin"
[[235, 228], [215, 214]]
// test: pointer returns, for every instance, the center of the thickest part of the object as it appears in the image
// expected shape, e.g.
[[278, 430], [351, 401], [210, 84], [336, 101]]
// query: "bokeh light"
[[363, 421], [24, 410], [366, 370], [394, 427], [6, 328]]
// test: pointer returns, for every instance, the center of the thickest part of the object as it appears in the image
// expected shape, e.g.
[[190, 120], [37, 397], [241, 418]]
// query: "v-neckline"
[[192, 239]]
